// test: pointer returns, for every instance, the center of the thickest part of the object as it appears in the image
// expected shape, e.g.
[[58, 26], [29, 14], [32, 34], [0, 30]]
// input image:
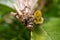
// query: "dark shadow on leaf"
[[37, 29]]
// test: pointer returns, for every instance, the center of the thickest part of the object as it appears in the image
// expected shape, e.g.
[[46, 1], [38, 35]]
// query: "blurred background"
[[12, 29]]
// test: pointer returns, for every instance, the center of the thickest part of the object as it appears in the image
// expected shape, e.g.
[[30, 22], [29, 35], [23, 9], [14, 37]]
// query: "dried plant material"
[[26, 13], [17, 9], [12, 13]]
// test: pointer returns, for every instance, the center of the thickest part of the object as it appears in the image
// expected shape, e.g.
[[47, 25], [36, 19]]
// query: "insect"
[[27, 14]]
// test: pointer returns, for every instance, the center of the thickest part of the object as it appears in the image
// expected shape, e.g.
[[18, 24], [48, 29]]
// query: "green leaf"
[[13, 30], [50, 30]]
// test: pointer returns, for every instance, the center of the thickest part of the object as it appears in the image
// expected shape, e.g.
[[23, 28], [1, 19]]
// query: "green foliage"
[[12, 29], [49, 30]]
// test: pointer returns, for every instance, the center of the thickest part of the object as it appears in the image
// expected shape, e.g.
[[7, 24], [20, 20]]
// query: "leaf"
[[13, 30], [50, 30]]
